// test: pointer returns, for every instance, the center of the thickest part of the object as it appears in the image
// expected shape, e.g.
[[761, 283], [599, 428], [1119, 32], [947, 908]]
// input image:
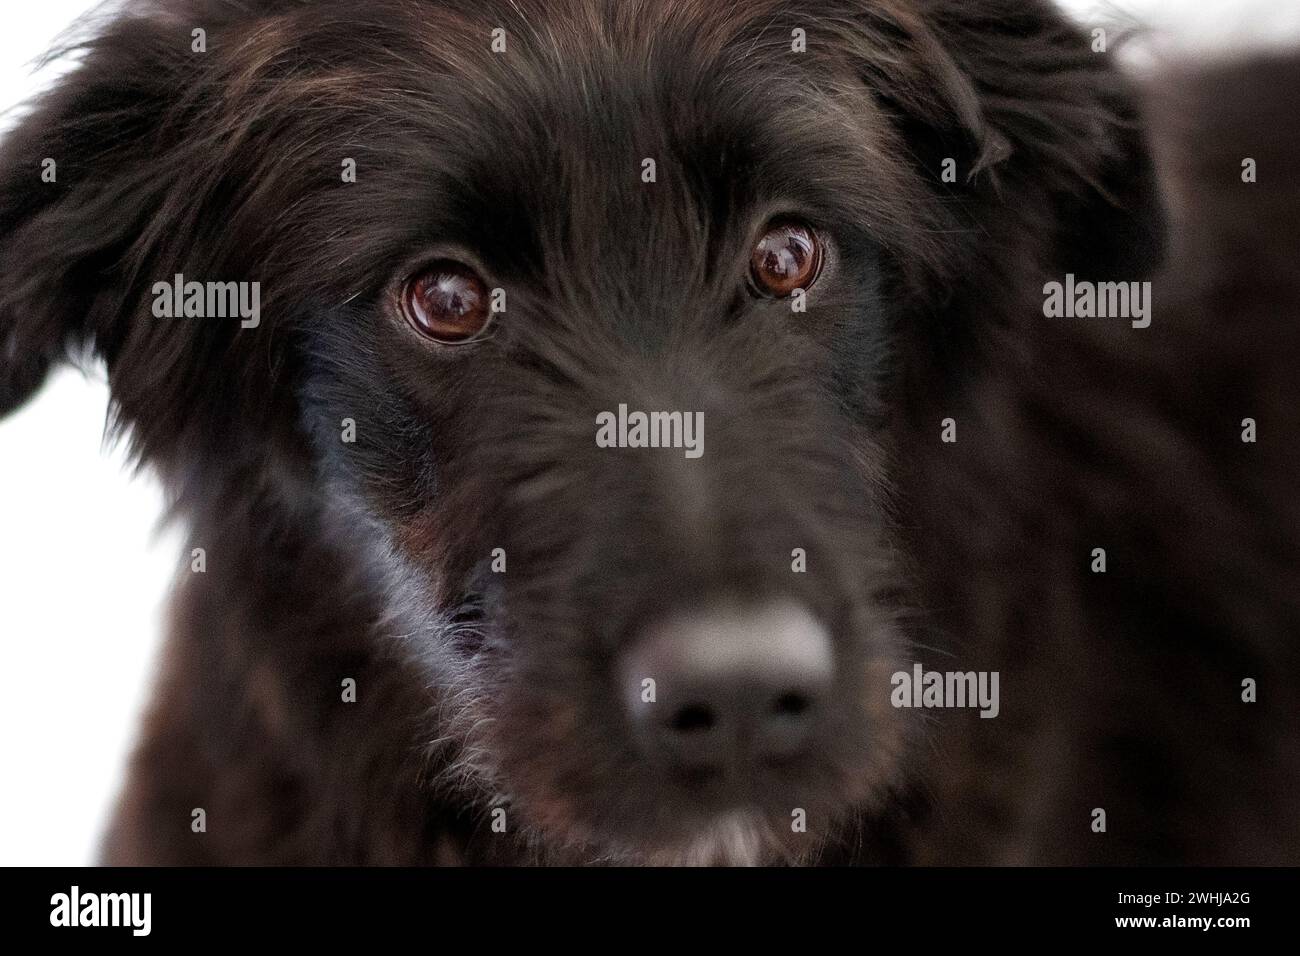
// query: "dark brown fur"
[[327, 561]]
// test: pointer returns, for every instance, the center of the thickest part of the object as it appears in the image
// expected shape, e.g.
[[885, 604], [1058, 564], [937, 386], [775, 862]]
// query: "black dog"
[[404, 299]]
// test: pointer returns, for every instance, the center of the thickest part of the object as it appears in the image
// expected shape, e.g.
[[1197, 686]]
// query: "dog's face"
[[732, 214], [659, 286]]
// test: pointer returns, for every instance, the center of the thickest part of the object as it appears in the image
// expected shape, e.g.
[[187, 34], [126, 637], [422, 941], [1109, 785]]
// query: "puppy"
[[594, 420]]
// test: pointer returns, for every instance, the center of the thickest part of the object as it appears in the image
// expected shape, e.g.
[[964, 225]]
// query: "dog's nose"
[[728, 687]]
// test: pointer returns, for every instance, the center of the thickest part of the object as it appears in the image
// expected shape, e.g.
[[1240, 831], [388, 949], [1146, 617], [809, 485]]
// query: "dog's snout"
[[728, 688]]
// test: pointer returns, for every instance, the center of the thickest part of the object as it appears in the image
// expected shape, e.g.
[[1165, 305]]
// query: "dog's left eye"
[[447, 301], [786, 258]]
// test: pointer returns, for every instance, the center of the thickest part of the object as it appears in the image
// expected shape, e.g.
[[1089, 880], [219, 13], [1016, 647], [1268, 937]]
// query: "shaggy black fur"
[[328, 560]]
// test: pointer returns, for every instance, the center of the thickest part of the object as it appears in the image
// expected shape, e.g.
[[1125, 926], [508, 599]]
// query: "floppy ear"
[[1025, 126], [125, 174]]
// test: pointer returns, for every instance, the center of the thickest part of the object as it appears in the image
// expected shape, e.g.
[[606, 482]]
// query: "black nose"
[[729, 687]]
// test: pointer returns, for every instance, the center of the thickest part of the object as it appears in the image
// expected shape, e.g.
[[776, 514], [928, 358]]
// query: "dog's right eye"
[[447, 302], [787, 257]]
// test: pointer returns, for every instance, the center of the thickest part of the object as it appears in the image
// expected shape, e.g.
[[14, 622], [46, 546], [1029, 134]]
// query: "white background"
[[84, 576]]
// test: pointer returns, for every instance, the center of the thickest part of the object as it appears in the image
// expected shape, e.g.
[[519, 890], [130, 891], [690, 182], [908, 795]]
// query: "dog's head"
[[601, 326]]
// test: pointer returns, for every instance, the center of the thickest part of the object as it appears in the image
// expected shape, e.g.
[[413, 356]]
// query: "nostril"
[[784, 731], [693, 718], [790, 705]]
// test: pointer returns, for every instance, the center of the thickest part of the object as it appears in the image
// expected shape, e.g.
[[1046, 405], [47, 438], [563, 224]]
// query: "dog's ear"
[[1008, 103], [134, 168]]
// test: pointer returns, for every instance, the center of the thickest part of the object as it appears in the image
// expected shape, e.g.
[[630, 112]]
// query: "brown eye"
[[788, 257], [447, 302]]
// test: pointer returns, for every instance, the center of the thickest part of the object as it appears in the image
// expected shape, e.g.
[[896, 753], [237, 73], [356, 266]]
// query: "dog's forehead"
[[599, 108], [615, 136], [586, 134]]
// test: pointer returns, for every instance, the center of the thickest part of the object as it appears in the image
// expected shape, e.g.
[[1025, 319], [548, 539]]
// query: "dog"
[[604, 429]]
